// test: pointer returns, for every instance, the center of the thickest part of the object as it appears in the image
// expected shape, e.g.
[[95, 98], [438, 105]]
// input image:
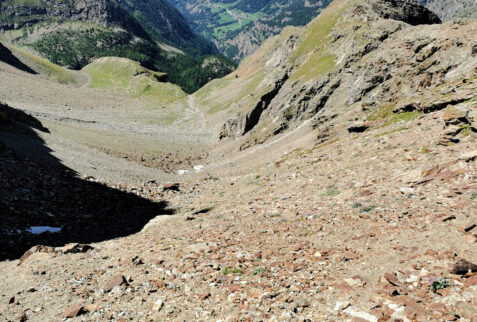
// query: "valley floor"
[[366, 226], [106, 134]]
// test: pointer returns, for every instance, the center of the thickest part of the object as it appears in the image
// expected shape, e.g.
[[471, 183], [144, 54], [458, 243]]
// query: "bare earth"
[[357, 228]]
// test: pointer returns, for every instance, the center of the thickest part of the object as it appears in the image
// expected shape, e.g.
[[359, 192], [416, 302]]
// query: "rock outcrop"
[[364, 56], [17, 14], [452, 9], [406, 11]]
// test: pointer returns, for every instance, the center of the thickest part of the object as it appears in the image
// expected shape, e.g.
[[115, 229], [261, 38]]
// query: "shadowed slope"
[[37, 190], [7, 56]]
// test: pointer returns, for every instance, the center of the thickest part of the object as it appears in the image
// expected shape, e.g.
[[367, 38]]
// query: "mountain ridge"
[[296, 75], [73, 34]]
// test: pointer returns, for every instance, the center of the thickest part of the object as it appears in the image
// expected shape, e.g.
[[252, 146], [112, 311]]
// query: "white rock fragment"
[[158, 305], [341, 305], [357, 313], [407, 190]]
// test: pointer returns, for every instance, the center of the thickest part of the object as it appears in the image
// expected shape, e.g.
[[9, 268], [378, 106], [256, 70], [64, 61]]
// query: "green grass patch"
[[127, 76], [234, 271], [465, 130], [316, 38], [331, 192], [382, 112], [43, 66], [259, 271], [367, 209], [404, 117]]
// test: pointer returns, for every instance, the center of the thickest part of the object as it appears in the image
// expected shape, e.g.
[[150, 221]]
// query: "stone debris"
[[74, 311], [462, 267], [116, 280], [376, 227], [74, 248]]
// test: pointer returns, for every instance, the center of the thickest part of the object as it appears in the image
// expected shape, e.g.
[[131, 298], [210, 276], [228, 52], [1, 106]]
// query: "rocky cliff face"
[[452, 9], [18, 14], [406, 11], [162, 21], [358, 61]]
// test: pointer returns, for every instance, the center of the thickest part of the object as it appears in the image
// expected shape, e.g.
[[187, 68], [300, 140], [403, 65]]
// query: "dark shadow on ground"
[[37, 190], [7, 56]]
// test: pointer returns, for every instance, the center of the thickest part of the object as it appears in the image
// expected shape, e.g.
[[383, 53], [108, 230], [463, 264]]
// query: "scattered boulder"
[[455, 114], [117, 280], [172, 187], [358, 127], [91, 308], [469, 156], [359, 314], [74, 248], [158, 305], [74, 311], [462, 267], [36, 249]]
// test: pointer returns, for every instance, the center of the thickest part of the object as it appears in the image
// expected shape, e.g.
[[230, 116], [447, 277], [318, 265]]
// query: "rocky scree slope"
[[379, 226], [356, 62], [38, 190]]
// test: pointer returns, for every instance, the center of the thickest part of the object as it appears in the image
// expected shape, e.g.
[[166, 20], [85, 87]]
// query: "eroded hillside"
[[339, 180], [352, 63]]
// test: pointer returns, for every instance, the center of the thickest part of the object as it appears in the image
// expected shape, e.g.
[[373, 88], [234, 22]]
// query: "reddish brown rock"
[[471, 239], [204, 296], [390, 278], [91, 308], [36, 249], [117, 280], [158, 283], [73, 311], [413, 309], [438, 307], [343, 287], [462, 267]]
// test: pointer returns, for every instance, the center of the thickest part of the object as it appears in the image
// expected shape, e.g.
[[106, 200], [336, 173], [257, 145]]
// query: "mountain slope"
[[160, 19], [359, 206], [7, 56], [73, 34], [451, 9], [166, 24], [346, 65], [238, 27]]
